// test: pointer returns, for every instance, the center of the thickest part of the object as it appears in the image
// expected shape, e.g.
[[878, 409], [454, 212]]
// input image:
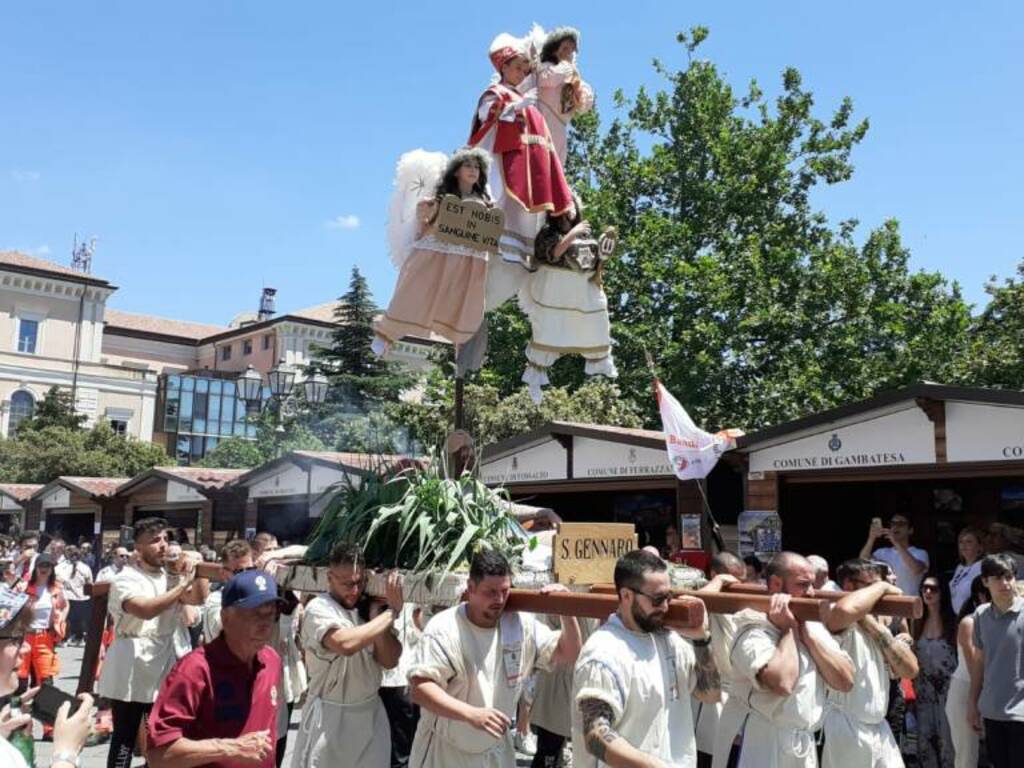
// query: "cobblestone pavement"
[[96, 757]]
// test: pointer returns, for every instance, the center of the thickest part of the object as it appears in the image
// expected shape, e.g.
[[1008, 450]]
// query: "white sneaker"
[[526, 745]]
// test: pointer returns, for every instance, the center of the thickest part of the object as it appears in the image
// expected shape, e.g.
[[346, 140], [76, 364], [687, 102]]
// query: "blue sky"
[[216, 147]]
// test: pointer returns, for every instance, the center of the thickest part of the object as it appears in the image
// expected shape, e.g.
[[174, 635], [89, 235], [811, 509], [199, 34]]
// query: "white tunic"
[[143, 650], [552, 79], [646, 679], [857, 734], [484, 668], [344, 723], [707, 717], [779, 729]]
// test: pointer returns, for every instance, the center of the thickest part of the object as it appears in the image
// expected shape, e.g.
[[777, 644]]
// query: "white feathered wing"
[[416, 177]]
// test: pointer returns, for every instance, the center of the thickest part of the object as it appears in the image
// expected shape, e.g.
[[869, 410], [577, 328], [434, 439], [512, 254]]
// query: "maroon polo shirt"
[[212, 694]]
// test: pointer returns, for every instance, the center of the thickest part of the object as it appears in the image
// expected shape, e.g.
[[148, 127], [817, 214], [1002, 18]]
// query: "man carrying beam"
[[856, 731], [634, 677], [781, 667]]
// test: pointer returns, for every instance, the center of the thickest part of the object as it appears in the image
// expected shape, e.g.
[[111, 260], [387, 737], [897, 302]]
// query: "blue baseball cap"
[[250, 589]]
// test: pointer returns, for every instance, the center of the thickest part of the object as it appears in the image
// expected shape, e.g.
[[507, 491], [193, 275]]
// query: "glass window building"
[[196, 412]]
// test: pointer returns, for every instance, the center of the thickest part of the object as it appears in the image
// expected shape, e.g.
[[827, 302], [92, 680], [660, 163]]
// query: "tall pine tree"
[[359, 380]]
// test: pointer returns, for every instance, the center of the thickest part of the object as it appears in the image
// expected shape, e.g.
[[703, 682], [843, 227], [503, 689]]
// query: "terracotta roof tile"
[[646, 433], [115, 318], [18, 259], [208, 478], [360, 460], [19, 491], [95, 486]]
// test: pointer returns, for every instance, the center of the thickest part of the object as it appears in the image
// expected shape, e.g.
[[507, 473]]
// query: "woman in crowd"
[[935, 645], [49, 625], [69, 733], [970, 544], [965, 738]]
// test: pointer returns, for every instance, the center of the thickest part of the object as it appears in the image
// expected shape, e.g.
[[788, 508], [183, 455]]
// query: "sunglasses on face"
[[929, 588], [656, 600]]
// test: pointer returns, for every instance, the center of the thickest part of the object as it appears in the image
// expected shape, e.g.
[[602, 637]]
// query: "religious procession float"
[[494, 221]]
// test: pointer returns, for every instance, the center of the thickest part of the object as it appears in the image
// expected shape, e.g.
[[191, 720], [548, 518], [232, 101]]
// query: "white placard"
[[177, 492], [545, 461], [596, 459], [976, 432], [289, 480], [903, 437], [58, 498]]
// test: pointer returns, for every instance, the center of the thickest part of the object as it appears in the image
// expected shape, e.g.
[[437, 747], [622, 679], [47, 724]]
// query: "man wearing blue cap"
[[218, 707]]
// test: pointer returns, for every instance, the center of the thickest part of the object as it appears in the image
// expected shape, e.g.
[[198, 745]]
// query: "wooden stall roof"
[[644, 438], [922, 392], [203, 479], [357, 463], [19, 492], [92, 487]]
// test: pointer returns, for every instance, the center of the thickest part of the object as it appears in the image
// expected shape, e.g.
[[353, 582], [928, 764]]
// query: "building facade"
[[152, 378]]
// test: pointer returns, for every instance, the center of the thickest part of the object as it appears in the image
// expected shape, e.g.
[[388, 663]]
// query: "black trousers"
[[1004, 739], [403, 716], [79, 613], [127, 716], [549, 749]]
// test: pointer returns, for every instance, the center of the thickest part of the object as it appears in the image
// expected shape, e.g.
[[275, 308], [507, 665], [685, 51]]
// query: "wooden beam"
[[681, 611]]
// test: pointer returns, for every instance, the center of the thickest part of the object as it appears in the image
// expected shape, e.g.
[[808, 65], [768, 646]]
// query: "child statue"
[[562, 93], [565, 301]]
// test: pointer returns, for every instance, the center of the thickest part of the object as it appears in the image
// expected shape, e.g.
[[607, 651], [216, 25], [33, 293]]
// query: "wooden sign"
[[585, 553], [469, 223]]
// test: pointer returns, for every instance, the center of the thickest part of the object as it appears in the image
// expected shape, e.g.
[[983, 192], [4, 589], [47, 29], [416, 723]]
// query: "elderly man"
[[146, 604], [344, 723], [218, 708], [634, 677], [118, 560], [821, 578], [856, 731], [470, 667], [237, 557], [781, 667]]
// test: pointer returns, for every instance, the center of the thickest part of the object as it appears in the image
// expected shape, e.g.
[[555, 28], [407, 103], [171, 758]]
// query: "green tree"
[[56, 409], [358, 379], [40, 455], [756, 308], [272, 441], [491, 417], [996, 353]]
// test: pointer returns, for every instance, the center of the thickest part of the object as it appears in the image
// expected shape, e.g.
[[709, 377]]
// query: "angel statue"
[[561, 91], [440, 284], [564, 299]]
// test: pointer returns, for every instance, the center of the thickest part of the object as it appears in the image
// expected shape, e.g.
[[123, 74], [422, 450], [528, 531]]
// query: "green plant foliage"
[[419, 520]]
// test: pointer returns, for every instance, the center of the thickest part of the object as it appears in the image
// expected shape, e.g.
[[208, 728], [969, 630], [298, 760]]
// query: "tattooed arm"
[[709, 683], [897, 650], [605, 744]]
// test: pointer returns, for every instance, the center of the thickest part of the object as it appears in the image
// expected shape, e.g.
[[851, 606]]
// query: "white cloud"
[[345, 221], [25, 177]]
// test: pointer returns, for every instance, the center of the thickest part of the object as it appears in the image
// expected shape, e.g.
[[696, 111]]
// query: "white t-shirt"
[[107, 573], [74, 577], [143, 650], [11, 757], [647, 680], [906, 579], [960, 584], [43, 609]]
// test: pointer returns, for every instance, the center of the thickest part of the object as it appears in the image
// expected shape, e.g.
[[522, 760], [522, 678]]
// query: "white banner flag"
[[692, 452]]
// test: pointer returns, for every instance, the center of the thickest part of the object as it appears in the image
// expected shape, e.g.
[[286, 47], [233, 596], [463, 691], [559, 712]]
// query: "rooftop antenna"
[[81, 255]]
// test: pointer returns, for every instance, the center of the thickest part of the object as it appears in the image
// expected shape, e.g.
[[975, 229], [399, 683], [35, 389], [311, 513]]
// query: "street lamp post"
[[281, 379]]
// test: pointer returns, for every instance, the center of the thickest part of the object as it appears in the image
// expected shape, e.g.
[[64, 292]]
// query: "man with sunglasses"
[[781, 667], [117, 562], [635, 676], [344, 723], [857, 733], [909, 563]]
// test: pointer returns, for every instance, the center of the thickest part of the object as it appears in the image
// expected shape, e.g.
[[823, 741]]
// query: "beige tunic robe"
[[857, 735], [344, 724], [484, 668]]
